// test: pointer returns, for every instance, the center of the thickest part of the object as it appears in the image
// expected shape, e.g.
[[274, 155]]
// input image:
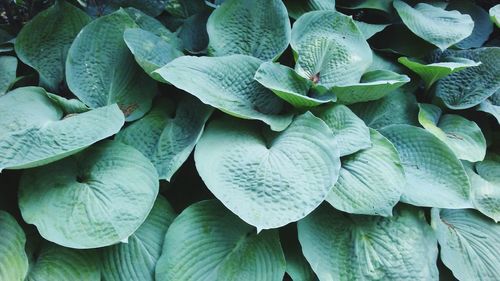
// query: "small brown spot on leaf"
[[128, 109], [315, 78]]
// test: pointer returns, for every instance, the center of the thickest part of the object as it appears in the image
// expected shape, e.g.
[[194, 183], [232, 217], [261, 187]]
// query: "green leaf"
[[13, 259], [100, 70], [193, 33], [483, 26], [151, 52], [269, 180], [381, 5], [472, 85], [430, 73], [207, 242], [374, 85], [143, 248], [351, 247], [434, 175], [491, 105], [291, 87], [470, 243], [43, 42], [68, 106], [298, 8], [370, 29], [151, 7], [435, 25], [371, 181], [349, 131], [258, 28], [398, 107], [92, 199], [166, 136], [495, 15], [464, 137], [8, 65], [296, 264], [331, 49], [398, 39], [54, 262], [33, 131], [227, 83]]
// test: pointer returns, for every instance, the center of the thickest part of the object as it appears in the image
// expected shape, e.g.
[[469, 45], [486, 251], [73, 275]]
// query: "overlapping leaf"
[[13, 259], [8, 65]]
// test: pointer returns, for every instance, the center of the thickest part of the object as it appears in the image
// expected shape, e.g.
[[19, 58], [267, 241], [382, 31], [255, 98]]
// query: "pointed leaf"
[[495, 14], [33, 131], [13, 259], [227, 83], [269, 180], [434, 24], [351, 247], [331, 49], [434, 175], [8, 65], [483, 26], [92, 199], [167, 136], [207, 242], [370, 29]]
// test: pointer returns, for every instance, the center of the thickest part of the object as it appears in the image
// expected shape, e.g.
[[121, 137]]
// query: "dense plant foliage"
[[249, 140]]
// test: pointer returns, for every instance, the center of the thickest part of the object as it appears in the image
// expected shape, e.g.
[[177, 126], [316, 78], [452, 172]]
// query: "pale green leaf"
[[380, 5], [331, 49], [143, 248], [269, 179], [434, 24], [92, 199], [151, 7], [464, 137], [13, 259], [352, 247], [207, 242], [483, 26], [8, 67], [371, 181], [370, 29], [495, 15], [227, 83], [166, 136], [34, 132], [434, 175], [68, 106], [469, 242], [100, 70], [298, 8], [491, 105], [44, 41]]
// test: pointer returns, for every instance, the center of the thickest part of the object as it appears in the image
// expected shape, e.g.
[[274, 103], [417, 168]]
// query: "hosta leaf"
[[381, 5], [470, 243], [291, 87], [151, 52], [371, 181], [374, 85], [45, 49], [350, 132], [491, 105], [167, 136], [92, 199], [143, 248], [193, 33], [482, 23], [398, 107], [495, 15], [258, 28], [68, 106], [269, 180], [434, 175], [151, 7], [100, 70], [464, 137], [385, 62], [435, 25], [331, 49], [227, 83], [370, 29], [472, 85], [186, 8], [296, 264], [54, 262], [430, 73], [353, 247], [34, 132], [398, 39], [8, 65], [298, 8], [207, 242], [13, 259]]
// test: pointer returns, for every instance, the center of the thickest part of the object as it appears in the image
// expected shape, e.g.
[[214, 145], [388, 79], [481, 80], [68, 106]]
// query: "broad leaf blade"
[[13, 259]]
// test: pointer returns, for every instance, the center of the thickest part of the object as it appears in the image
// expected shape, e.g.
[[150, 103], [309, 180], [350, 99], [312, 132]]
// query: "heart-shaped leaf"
[[100, 70], [469, 242], [45, 49], [207, 242], [258, 28], [92, 199], [269, 180], [434, 24], [13, 259], [144, 247], [434, 175], [331, 49], [464, 137], [8, 65], [371, 181], [352, 247], [167, 135], [227, 83], [33, 131]]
